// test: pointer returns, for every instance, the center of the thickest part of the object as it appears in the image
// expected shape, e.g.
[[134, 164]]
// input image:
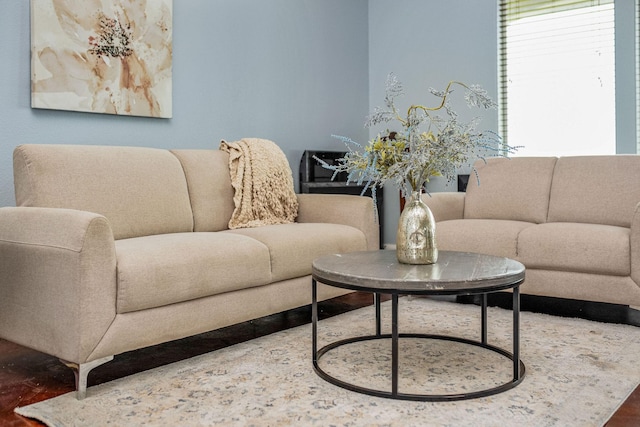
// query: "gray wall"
[[294, 71], [427, 44], [627, 142]]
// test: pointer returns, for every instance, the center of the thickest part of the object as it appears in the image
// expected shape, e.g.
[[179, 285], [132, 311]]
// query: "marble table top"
[[455, 273]]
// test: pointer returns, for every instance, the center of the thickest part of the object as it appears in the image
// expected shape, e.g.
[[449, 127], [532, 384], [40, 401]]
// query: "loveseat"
[[111, 249], [574, 222]]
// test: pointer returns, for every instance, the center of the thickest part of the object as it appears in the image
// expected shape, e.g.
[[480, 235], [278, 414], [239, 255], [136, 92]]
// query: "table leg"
[[314, 320], [394, 344], [376, 300], [484, 318], [516, 333]]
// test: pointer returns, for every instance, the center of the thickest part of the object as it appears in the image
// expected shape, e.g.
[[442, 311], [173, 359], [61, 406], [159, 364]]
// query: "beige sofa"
[[111, 249], [574, 222]]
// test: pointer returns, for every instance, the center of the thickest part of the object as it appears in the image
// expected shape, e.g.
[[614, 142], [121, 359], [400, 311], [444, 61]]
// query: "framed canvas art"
[[102, 56]]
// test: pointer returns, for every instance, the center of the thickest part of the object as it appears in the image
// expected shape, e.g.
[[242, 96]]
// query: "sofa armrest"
[[356, 211], [635, 245], [445, 206], [57, 280]]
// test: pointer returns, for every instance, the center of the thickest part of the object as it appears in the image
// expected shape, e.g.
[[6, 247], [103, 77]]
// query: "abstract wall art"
[[102, 56]]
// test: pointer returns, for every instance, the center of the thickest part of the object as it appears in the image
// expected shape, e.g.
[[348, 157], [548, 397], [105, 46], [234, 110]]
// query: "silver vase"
[[416, 237]]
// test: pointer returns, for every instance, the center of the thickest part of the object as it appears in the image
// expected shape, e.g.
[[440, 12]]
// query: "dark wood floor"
[[27, 376]]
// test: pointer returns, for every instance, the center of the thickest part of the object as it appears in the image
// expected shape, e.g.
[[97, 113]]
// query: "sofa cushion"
[[210, 190], [158, 270], [293, 247], [585, 248], [487, 236], [595, 189], [141, 191], [515, 189]]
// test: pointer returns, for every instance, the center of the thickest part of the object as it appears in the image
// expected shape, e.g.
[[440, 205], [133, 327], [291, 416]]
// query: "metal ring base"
[[417, 397]]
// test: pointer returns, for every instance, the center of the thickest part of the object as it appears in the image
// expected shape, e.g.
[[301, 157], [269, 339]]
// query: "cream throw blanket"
[[263, 183]]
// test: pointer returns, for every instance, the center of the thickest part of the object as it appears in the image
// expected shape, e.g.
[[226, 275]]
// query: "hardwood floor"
[[27, 376]]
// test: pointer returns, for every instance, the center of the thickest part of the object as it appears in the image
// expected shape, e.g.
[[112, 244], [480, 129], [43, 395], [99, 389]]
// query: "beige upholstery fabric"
[[101, 256], [210, 189], [293, 247], [595, 189], [586, 248], [581, 286], [170, 268], [263, 183], [493, 237], [157, 325], [354, 211], [635, 245], [141, 191], [445, 206], [515, 189], [58, 279]]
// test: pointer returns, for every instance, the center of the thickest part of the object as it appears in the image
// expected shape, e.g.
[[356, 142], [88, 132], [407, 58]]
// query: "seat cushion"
[[584, 248], [487, 236], [153, 271], [293, 247]]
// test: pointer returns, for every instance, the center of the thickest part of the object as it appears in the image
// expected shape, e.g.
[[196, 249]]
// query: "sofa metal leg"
[[81, 372]]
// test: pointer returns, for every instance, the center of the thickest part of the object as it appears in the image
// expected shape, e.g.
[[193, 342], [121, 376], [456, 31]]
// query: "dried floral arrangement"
[[430, 141]]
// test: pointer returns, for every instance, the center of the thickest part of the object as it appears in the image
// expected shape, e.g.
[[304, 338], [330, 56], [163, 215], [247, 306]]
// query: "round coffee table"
[[455, 273]]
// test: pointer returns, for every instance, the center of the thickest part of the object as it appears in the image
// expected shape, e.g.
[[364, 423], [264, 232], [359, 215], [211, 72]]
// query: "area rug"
[[578, 373]]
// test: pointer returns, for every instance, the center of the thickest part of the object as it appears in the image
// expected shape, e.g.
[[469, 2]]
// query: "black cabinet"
[[316, 179]]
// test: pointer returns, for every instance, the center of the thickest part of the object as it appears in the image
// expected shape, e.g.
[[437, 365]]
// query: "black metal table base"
[[394, 393]]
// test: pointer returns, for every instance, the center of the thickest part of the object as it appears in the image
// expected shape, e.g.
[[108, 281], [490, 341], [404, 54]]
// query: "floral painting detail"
[[112, 40], [427, 141], [102, 56]]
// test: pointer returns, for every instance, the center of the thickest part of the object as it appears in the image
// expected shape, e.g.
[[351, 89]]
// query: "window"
[[557, 76]]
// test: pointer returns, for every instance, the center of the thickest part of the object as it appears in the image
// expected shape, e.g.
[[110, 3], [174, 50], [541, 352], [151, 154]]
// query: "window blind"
[[557, 76]]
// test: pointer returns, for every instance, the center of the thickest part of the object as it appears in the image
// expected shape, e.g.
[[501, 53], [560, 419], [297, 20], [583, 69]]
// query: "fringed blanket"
[[263, 183]]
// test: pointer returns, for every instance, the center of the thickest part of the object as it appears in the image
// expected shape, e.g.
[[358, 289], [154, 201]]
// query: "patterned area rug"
[[577, 373]]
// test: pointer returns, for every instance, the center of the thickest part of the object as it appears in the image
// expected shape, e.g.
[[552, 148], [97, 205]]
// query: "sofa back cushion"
[[514, 189], [141, 191], [595, 189], [210, 189]]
